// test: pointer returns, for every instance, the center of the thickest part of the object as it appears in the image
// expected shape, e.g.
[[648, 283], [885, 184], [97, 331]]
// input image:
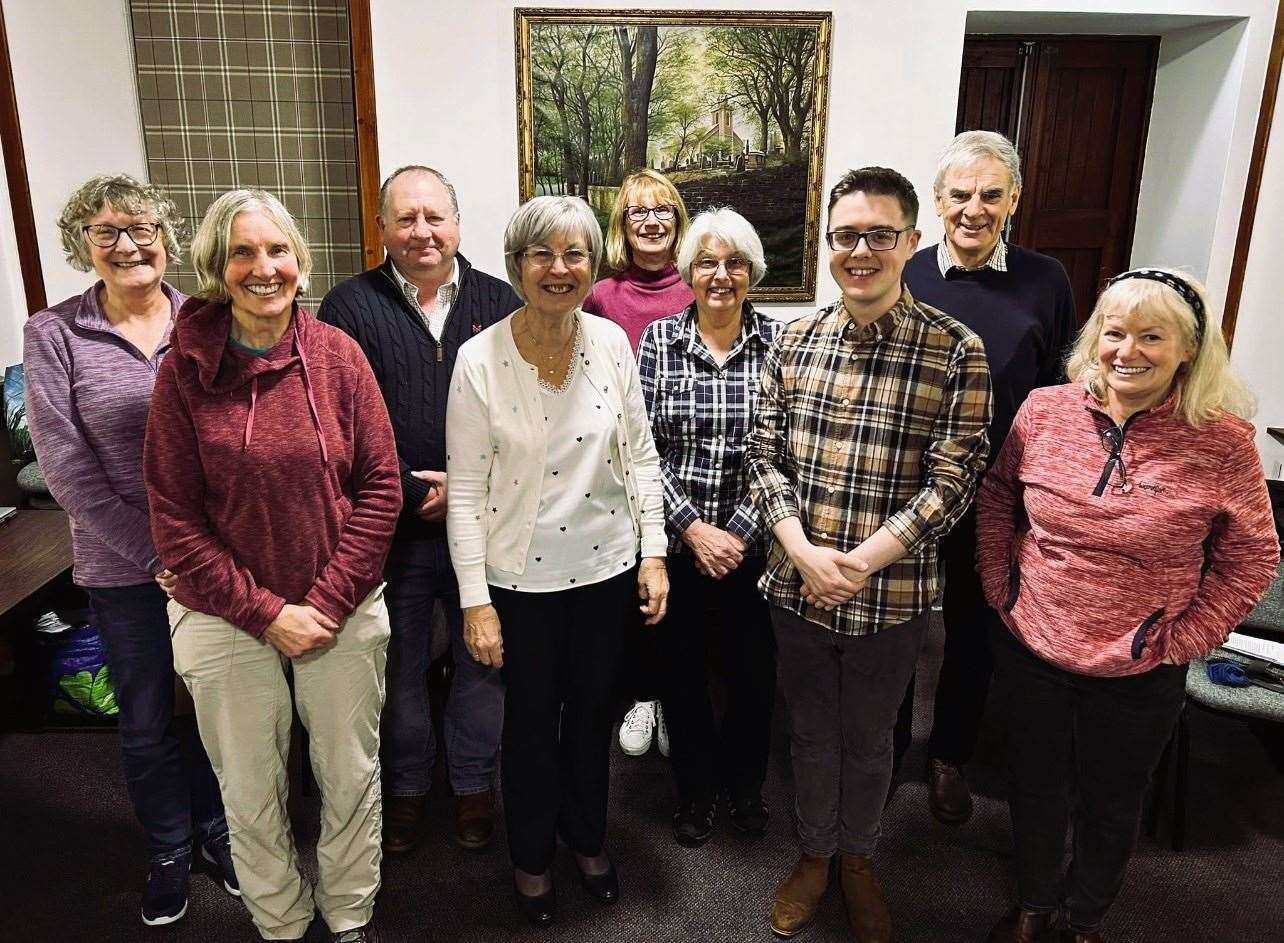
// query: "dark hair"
[[878, 181]]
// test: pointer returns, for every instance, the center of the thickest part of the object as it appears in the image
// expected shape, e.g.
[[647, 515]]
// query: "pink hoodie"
[[272, 479], [1108, 575]]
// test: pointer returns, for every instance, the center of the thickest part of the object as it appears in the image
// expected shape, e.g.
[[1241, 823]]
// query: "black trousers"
[[966, 663], [1080, 751], [731, 613], [561, 658]]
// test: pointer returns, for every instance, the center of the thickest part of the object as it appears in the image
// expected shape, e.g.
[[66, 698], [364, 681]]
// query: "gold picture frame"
[[736, 115]]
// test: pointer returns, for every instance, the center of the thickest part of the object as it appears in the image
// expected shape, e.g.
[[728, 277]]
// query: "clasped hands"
[[830, 577], [296, 630], [717, 551]]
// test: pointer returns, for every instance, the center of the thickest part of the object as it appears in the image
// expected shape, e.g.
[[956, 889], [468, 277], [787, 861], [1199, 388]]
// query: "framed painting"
[[730, 106]]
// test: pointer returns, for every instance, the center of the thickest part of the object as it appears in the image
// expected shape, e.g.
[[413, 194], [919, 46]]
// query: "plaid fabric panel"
[[254, 94], [700, 415], [861, 428]]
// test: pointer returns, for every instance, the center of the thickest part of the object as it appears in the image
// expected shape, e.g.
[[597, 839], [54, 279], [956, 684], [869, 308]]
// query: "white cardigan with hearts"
[[496, 449]]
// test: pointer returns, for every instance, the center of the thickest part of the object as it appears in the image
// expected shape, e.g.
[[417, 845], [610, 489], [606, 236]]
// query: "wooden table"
[[35, 547]]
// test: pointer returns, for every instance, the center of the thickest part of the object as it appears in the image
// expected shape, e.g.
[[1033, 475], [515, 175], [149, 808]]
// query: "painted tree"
[[773, 71], [639, 53]]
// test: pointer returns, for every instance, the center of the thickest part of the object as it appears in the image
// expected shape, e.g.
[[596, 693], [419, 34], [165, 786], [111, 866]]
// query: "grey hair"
[[971, 146], [725, 225], [538, 220], [212, 242], [126, 195], [416, 168]]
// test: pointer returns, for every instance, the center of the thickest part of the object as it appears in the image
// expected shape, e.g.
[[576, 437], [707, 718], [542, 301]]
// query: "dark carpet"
[[73, 858]]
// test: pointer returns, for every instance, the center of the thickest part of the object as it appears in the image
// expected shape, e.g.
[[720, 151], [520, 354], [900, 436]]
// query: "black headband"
[[1177, 284]]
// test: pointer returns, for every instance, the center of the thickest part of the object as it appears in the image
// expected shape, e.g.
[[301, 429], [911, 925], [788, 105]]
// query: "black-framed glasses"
[[878, 240], [105, 235], [544, 258], [1112, 440], [638, 214], [734, 265]]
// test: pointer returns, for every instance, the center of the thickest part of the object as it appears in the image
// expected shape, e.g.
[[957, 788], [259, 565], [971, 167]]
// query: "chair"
[[1266, 620]]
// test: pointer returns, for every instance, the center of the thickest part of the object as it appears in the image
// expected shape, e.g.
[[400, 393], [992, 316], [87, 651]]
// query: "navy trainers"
[[165, 897], [218, 852]]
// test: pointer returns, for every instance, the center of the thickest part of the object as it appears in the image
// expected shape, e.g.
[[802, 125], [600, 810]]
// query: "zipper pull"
[[440, 358]]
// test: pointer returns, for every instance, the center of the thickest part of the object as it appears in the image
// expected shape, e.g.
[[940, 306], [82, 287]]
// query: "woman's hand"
[[299, 630], [167, 581], [717, 552], [653, 589], [482, 635]]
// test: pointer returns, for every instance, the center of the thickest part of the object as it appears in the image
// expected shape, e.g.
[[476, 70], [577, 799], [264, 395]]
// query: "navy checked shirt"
[[700, 415]]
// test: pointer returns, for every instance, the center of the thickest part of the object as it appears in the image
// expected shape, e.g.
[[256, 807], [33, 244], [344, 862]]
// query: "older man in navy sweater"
[[1020, 304], [410, 315]]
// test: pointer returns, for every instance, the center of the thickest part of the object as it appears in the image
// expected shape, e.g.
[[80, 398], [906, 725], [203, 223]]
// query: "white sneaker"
[[638, 726], [661, 731]]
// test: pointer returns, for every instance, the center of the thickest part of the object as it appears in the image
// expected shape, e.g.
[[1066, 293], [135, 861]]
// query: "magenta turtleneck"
[[636, 297]]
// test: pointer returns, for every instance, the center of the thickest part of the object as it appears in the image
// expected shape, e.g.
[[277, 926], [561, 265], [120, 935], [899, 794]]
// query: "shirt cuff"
[[682, 517], [908, 528]]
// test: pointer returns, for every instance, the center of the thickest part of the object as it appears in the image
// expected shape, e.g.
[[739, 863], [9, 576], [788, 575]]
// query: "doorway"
[[1077, 108]]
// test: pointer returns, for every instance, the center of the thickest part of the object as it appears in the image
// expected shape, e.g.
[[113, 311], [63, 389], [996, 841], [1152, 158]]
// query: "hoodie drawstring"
[[249, 420], [312, 406]]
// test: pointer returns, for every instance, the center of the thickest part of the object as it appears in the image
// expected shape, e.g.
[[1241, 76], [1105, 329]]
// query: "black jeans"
[[707, 757], [842, 691], [1081, 751], [170, 782], [561, 657], [419, 574], [966, 663]]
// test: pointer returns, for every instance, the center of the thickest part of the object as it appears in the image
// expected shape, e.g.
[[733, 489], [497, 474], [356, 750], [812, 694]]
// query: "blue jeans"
[[167, 773], [418, 574]]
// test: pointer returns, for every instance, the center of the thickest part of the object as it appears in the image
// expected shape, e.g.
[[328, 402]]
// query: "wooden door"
[[1078, 109]]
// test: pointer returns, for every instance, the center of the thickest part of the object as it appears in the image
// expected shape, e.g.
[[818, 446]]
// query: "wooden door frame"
[[363, 98], [1253, 186], [15, 168]]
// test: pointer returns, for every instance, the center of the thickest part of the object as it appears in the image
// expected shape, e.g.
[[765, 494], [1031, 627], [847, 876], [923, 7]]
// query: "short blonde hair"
[[725, 225], [125, 194], [211, 244], [538, 220], [1206, 387], [639, 185]]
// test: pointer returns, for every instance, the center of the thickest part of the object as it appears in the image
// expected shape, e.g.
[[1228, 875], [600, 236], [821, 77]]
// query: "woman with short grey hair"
[[700, 371], [91, 362], [274, 488], [554, 497]]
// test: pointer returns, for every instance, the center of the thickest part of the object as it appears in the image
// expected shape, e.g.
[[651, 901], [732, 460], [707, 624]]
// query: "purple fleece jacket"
[[88, 391]]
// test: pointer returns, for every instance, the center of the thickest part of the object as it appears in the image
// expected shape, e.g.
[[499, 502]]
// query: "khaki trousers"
[[244, 713]]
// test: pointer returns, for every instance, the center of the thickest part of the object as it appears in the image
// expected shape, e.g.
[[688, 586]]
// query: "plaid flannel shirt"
[[860, 428], [700, 414]]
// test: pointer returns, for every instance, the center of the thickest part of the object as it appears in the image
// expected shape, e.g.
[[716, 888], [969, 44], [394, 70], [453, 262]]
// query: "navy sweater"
[[412, 369], [1025, 317]]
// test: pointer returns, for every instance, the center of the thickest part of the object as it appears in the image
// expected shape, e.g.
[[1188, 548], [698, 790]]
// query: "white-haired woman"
[[274, 490], [555, 490], [1124, 530], [699, 372], [91, 363]]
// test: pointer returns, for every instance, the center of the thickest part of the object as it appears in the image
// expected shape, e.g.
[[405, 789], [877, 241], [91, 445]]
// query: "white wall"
[[13, 300], [1197, 88]]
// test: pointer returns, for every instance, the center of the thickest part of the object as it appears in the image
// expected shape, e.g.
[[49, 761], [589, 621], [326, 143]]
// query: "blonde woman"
[[1124, 530]]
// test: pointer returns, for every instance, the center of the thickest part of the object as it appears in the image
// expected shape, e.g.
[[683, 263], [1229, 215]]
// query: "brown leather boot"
[[948, 796], [404, 818], [866, 908], [799, 895], [475, 819], [1022, 926]]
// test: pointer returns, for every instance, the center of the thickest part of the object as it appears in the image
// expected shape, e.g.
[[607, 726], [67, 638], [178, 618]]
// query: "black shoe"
[[605, 886], [693, 823], [165, 897], [539, 909], [404, 822], [749, 816], [218, 855], [364, 934]]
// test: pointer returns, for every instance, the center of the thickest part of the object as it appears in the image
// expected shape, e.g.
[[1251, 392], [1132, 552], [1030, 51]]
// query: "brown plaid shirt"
[[857, 428]]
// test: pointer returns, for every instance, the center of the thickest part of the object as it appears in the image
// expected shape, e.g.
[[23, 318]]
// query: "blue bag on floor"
[[79, 679]]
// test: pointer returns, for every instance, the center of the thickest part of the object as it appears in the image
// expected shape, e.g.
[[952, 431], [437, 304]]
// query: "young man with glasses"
[[868, 437], [410, 315]]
